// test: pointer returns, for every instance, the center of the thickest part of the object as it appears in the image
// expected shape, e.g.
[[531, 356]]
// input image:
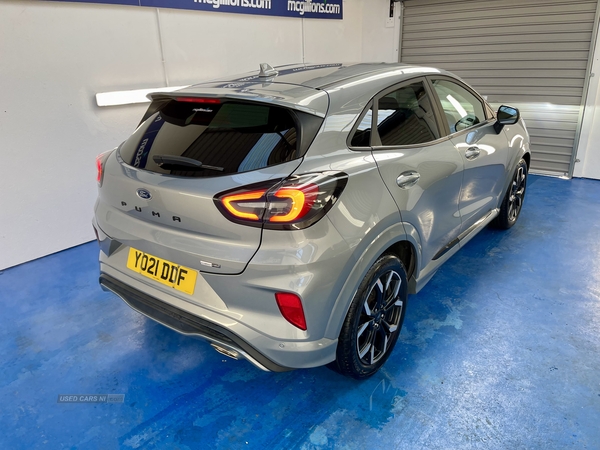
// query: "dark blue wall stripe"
[[314, 9]]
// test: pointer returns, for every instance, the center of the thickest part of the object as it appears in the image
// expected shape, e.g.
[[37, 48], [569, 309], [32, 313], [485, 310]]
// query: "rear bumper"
[[238, 314], [186, 323]]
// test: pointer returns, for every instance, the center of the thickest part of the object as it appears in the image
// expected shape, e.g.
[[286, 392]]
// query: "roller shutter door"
[[532, 54]]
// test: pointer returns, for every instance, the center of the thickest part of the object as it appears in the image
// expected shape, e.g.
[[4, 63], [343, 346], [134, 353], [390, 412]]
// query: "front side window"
[[405, 117], [461, 108]]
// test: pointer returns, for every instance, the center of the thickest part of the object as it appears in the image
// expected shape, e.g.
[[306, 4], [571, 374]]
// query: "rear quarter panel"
[[365, 215]]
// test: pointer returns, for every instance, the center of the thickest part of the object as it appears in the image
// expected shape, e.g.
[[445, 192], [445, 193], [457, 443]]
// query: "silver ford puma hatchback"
[[285, 215]]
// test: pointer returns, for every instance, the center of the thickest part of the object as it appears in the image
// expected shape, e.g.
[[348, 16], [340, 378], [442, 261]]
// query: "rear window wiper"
[[169, 162]]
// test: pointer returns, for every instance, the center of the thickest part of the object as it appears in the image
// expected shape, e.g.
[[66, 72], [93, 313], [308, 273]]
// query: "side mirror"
[[507, 115]]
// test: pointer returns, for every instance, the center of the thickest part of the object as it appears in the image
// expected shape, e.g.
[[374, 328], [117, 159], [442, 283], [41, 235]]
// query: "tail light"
[[290, 204], [291, 309], [100, 161]]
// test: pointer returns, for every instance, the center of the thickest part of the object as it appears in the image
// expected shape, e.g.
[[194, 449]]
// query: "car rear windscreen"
[[210, 137]]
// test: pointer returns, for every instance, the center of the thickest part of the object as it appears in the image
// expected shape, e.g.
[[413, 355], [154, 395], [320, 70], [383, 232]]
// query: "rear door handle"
[[472, 152], [408, 179]]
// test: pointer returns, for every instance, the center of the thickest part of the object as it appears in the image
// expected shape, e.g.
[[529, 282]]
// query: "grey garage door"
[[532, 54]]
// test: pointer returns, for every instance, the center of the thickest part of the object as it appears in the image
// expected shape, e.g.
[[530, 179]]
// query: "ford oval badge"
[[143, 193]]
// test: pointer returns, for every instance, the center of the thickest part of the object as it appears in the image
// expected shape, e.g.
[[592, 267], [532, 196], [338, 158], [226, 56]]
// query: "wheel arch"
[[406, 252], [527, 157], [525, 154], [404, 245]]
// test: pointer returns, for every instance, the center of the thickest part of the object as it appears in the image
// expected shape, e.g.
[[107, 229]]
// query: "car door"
[[483, 151], [421, 167]]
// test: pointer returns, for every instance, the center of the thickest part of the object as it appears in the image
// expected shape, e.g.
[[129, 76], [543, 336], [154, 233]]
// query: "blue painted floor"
[[500, 351]]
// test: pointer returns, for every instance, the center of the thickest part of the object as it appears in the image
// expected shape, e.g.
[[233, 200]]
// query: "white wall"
[[380, 42], [588, 151], [54, 57]]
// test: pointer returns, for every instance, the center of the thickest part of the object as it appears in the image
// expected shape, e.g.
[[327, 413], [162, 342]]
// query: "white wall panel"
[[54, 57], [202, 46], [333, 41], [380, 42]]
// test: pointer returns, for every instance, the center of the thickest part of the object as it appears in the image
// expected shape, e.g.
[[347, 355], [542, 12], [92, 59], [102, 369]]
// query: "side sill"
[[415, 285]]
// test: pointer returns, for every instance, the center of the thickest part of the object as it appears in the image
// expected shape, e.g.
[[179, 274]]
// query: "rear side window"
[[362, 135], [208, 138], [405, 117]]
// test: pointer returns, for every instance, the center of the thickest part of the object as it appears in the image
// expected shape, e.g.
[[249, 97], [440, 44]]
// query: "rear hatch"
[[158, 188]]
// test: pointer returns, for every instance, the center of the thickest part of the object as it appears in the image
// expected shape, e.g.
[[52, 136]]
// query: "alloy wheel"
[[380, 318], [515, 202]]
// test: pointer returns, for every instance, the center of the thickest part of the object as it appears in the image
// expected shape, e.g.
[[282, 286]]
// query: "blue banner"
[[310, 9]]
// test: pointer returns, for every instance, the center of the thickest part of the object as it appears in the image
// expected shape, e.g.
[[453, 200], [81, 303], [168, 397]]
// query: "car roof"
[[302, 86], [322, 76]]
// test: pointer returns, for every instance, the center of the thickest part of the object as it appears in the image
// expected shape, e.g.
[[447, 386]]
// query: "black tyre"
[[513, 199], [374, 319]]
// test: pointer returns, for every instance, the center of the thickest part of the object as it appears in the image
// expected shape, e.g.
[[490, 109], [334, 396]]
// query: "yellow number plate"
[[170, 274]]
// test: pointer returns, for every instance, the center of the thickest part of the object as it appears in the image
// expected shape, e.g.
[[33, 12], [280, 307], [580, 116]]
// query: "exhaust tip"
[[224, 351]]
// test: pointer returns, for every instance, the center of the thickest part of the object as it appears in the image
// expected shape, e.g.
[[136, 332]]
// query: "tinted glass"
[[225, 138], [461, 108], [405, 117], [362, 135]]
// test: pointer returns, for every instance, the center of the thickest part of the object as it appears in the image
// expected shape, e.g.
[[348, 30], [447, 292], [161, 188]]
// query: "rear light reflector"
[[100, 161], [99, 169], [291, 204], [291, 309]]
